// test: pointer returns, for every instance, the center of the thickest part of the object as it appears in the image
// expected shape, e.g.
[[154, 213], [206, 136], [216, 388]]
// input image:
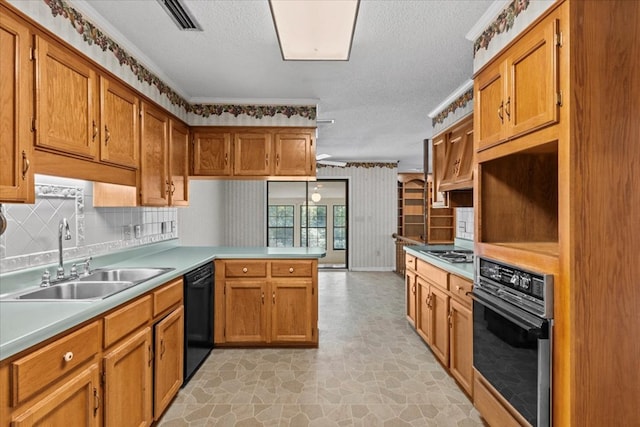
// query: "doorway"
[[310, 214]]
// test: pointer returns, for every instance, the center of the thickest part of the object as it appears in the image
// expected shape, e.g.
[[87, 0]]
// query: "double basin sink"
[[99, 284]]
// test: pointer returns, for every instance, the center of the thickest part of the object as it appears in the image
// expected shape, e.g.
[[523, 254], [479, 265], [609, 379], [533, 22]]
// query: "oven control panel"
[[527, 289]]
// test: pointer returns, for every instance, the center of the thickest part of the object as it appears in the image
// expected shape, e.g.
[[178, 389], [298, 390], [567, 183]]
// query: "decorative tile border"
[[93, 35], [502, 24], [366, 165], [460, 102]]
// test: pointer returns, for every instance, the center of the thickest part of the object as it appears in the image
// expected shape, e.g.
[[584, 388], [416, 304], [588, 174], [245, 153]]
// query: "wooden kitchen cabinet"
[[63, 79], [16, 90], [119, 127], [266, 302], [178, 167], [443, 317], [295, 154], [211, 152], [128, 381], [439, 199], [169, 354], [440, 221], [253, 152], [411, 291], [518, 93], [457, 171], [154, 187], [75, 402]]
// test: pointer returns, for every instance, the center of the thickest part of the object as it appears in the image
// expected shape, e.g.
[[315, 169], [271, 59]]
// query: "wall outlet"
[[128, 231], [137, 231], [173, 226], [462, 226], [163, 227]]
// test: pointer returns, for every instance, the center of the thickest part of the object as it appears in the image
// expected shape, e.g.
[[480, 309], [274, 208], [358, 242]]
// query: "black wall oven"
[[512, 330]]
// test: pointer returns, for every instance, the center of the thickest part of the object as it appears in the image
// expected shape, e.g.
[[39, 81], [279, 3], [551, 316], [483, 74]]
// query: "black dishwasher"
[[198, 322]]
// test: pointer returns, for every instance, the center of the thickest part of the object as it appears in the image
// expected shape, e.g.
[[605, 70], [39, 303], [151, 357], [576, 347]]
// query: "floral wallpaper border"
[[366, 165], [93, 35], [502, 24], [460, 102]]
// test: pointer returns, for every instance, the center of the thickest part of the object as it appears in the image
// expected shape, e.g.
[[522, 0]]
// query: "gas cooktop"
[[454, 256]]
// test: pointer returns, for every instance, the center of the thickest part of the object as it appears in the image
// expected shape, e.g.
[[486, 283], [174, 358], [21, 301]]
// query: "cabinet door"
[[423, 320], [66, 102], [212, 153], [252, 154], [291, 310], [461, 344], [438, 197], [439, 305], [458, 167], [246, 311], [74, 403], [178, 164], [489, 114], [16, 93], [153, 175], [295, 154], [119, 143], [169, 351], [532, 80], [411, 293], [128, 382]]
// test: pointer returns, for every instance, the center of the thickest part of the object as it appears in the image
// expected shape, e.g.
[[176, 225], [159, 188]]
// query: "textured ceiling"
[[406, 58]]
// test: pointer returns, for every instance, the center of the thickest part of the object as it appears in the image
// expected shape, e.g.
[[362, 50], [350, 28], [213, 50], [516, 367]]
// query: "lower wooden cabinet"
[[121, 369], [76, 402], [128, 370], [169, 353], [443, 317], [266, 302]]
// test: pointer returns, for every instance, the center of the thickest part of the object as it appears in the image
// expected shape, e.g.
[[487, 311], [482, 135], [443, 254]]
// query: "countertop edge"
[[462, 270]]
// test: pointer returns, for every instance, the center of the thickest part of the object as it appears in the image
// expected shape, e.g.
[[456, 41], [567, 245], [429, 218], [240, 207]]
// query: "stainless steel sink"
[[101, 283], [135, 275], [76, 291]]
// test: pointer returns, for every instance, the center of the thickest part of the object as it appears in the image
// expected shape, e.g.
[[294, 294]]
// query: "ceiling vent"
[[180, 15]]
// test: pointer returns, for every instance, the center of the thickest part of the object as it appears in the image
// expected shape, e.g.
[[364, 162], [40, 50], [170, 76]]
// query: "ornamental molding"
[[365, 165], [459, 99], [501, 24], [94, 36]]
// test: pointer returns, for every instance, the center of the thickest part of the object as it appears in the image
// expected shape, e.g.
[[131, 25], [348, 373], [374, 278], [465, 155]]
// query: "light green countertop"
[[460, 269], [26, 323]]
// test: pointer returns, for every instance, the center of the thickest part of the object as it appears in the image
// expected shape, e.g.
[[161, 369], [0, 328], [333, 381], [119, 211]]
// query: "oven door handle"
[[520, 317]]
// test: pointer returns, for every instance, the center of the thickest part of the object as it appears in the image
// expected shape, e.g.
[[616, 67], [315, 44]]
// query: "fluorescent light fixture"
[[315, 30]]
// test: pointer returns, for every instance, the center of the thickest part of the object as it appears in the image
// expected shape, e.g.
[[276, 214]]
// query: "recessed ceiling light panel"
[[318, 30]]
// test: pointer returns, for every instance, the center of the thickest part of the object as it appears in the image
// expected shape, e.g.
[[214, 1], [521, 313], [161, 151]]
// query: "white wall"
[[245, 216], [372, 214], [202, 223]]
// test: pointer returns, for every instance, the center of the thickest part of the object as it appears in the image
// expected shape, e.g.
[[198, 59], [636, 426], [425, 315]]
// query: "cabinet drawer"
[[433, 274], [291, 268], [126, 320], [167, 296], [245, 268], [32, 373], [410, 262], [459, 288], [490, 407]]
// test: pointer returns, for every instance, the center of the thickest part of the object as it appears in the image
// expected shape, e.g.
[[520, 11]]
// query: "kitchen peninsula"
[[52, 350]]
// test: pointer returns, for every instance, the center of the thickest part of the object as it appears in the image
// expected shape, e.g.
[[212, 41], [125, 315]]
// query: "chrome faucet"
[[63, 227]]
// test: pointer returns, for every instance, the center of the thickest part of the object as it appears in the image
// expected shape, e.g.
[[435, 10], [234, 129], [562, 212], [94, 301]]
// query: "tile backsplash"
[[464, 226], [31, 238]]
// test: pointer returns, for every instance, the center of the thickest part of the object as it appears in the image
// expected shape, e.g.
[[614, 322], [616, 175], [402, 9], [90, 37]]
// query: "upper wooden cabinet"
[[119, 143], [457, 173], [16, 90], [295, 154], [439, 199], [253, 153], [178, 167], [154, 185], [212, 152], [66, 101], [518, 93], [228, 152]]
